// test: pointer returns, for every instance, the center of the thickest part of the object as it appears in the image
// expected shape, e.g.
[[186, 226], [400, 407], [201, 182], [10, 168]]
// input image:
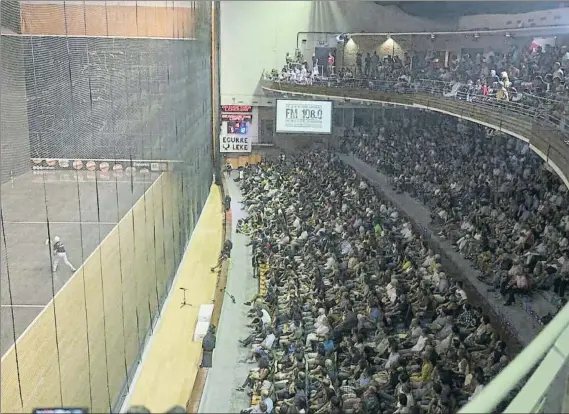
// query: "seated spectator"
[[364, 316], [490, 195]]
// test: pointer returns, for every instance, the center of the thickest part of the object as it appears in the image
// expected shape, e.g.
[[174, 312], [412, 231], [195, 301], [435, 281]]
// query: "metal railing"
[[527, 92], [528, 118], [531, 106], [549, 352]]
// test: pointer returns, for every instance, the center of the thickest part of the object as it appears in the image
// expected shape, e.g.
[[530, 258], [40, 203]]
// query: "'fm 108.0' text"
[[303, 113]]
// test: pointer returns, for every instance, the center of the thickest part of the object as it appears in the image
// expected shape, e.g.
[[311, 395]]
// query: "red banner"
[[236, 108]]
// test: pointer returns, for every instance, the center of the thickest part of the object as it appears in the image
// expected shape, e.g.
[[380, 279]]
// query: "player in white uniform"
[[59, 253]]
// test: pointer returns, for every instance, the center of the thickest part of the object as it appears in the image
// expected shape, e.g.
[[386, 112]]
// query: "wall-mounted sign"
[[236, 108], [237, 117], [45, 164], [50, 176], [313, 117], [234, 144]]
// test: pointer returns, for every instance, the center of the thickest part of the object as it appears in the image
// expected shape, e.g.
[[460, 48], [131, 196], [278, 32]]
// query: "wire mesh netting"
[[106, 144]]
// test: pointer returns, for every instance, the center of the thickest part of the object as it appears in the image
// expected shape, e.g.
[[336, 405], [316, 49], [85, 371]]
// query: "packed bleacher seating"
[[356, 314], [492, 196], [533, 75]]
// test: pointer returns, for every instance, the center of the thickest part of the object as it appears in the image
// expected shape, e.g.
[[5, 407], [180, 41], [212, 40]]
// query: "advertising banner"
[[143, 166], [234, 143], [311, 117]]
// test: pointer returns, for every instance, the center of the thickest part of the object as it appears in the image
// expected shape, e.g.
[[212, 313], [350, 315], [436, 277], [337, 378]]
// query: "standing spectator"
[[367, 64], [314, 63], [331, 61], [358, 63], [208, 345], [374, 63], [557, 72]]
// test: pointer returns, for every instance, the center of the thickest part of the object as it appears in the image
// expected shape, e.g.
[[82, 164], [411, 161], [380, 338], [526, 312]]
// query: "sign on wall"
[[236, 108], [117, 166], [234, 143], [237, 117], [313, 117]]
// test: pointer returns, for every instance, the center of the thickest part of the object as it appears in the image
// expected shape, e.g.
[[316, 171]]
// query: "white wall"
[[256, 35], [553, 17], [253, 131]]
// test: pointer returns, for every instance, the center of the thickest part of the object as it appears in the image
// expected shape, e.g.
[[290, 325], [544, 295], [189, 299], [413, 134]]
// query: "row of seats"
[[359, 316]]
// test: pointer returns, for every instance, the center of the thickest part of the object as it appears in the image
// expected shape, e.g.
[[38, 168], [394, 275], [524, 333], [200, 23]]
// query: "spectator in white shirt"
[[263, 348]]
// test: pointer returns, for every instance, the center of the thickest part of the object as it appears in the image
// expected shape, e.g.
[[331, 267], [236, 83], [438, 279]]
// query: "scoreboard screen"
[[237, 127], [312, 117]]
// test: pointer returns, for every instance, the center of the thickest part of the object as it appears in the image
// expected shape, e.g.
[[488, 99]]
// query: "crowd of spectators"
[[489, 194], [535, 72], [358, 315]]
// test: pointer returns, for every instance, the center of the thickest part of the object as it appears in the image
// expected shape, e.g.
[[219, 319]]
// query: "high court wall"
[[106, 79]]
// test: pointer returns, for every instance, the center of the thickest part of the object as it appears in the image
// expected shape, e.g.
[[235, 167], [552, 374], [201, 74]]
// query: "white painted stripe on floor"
[[77, 272], [22, 306], [107, 223]]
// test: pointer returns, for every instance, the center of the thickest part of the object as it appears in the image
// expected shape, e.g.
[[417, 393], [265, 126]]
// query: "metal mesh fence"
[[106, 146]]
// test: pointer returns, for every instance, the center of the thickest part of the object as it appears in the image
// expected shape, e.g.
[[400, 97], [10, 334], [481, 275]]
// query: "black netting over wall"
[[106, 148], [14, 135], [114, 98]]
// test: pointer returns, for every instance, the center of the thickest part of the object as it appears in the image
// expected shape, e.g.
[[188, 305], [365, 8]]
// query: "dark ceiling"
[[450, 9]]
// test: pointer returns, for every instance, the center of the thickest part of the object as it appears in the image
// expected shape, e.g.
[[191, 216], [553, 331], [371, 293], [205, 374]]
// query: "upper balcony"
[[528, 118]]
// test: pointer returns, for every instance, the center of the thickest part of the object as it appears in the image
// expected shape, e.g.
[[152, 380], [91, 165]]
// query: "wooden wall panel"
[[176, 200], [74, 17], [37, 358], [97, 338], [42, 19], [95, 300], [130, 298], [112, 290], [122, 21], [73, 345], [241, 160], [111, 20], [167, 209], [142, 270], [157, 209], [95, 21], [162, 381], [10, 398], [151, 251]]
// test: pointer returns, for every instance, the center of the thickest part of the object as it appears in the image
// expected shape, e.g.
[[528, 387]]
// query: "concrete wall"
[[14, 133], [554, 17], [255, 35]]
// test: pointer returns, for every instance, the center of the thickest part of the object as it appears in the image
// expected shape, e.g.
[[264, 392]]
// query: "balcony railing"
[[548, 354], [530, 118]]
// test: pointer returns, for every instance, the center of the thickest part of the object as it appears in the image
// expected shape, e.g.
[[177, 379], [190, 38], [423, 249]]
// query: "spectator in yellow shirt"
[[426, 374]]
